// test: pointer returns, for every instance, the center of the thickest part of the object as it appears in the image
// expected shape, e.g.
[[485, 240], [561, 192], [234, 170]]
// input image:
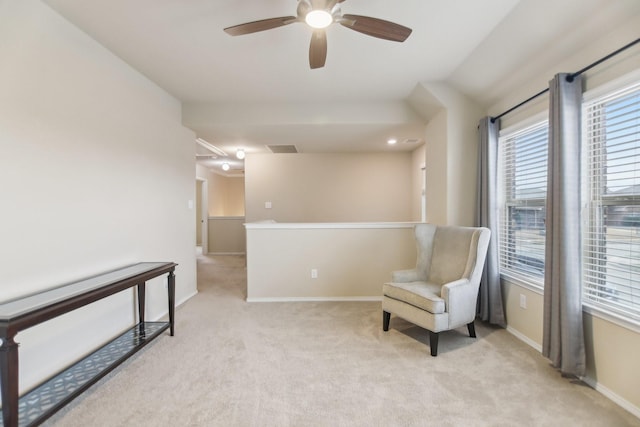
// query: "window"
[[611, 230], [523, 191]]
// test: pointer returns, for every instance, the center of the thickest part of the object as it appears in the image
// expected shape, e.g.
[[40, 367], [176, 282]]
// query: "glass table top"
[[16, 307]]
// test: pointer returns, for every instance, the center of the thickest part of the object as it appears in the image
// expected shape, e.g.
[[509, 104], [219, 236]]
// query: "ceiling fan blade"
[[262, 25], [376, 27], [318, 49]]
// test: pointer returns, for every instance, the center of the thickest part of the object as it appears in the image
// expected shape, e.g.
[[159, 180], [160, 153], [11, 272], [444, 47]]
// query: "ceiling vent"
[[412, 141], [277, 149]]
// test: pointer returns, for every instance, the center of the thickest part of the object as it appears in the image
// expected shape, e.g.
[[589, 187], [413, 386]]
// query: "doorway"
[[202, 216], [423, 193]]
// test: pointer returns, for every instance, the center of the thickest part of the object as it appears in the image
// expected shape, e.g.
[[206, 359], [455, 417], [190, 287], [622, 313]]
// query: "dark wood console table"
[[40, 403]]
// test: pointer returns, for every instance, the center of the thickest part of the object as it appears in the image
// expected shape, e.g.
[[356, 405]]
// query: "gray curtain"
[[490, 307], [563, 337]]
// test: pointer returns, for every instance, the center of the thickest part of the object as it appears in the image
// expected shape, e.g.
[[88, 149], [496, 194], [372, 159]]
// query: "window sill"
[[611, 317], [523, 283]]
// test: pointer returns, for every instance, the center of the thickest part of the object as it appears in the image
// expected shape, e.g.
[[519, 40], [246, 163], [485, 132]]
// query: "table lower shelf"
[[43, 401]]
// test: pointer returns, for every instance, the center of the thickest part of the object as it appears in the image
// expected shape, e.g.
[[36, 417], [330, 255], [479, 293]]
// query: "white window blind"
[[523, 187], [611, 231]]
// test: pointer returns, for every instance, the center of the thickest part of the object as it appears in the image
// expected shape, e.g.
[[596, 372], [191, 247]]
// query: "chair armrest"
[[460, 299], [405, 276], [453, 288]]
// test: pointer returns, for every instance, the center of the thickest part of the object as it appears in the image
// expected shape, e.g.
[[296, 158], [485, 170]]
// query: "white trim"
[[325, 225], [178, 304], [204, 213], [538, 289], [226, 253], [533, 120], [225, 217], [612, 396], [209, 146], [315, 299], [612, 86], [187, 298], [524, 338]]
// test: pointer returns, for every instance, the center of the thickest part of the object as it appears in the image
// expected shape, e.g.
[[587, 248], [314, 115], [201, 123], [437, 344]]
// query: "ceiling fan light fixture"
[[318, 19], [318, 15]]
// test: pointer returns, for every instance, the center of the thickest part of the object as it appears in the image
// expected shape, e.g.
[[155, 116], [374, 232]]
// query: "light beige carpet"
[[234, 363]]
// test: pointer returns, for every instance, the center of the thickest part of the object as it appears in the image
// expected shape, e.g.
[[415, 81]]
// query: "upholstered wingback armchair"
[[441, 292]]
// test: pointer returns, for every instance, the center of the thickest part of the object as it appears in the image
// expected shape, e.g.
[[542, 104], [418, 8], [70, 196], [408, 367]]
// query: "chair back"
[[448, 253]]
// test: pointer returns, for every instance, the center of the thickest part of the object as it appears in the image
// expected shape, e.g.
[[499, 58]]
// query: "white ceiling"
[[254, 90]]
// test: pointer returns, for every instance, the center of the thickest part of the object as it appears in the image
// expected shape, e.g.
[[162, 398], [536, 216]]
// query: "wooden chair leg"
[[385, 320], [433, 342], [472, 329]]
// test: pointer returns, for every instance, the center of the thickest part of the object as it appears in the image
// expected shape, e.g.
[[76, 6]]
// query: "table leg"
[[141, 304], [171, 289], [9, 379]]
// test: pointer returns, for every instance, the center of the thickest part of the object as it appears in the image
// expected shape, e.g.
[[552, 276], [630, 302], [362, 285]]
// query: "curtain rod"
[[570, 78]]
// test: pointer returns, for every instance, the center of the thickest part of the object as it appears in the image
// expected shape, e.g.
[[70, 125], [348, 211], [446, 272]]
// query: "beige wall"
[[226, 195], [452, 157], [227, 235], [524, 321], [436, 169], [418, 158], [352, 261], [612, 355], [329, 187], [612, 349], [462, 147], [234, 197], [96, 172]]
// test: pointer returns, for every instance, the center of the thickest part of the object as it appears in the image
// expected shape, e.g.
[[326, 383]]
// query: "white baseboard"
[[588, 380], [178, 304], [524, 338], [314, 299], [187, 298], [613, 396]]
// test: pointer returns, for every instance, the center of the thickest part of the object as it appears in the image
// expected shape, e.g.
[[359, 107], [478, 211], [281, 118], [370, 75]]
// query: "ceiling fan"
[[319, 14]]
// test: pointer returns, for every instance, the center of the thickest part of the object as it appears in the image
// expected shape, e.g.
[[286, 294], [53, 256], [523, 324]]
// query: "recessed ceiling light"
[[391, 141], [225, 166], [240, 153]]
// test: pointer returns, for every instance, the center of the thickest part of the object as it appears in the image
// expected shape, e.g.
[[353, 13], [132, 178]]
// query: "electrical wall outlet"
[[523, 301], [314, 273]]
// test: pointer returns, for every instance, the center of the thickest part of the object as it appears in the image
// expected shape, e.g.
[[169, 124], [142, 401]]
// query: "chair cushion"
[[423, 295]]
